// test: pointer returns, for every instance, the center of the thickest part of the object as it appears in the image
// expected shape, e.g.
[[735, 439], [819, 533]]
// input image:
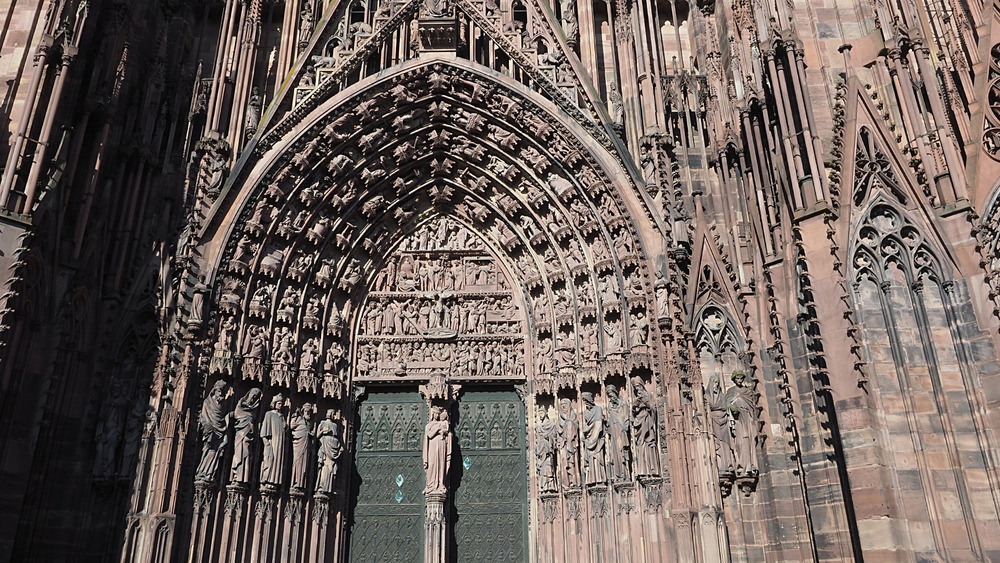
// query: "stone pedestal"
[[435, 529]]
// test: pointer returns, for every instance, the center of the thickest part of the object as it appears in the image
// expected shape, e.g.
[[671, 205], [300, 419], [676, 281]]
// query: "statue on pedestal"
[[273, 433], [330, 449], [593, 440], [214, 426], [243, 423], [437, 451]]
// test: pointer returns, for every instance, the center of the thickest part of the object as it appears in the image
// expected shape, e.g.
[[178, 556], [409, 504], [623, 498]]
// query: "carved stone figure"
[[214, 426], [545, 451], [303, 431], [197, 304], [593, 440], [742, 409], [617, 107], [619, 437], [109, 432], [720, 426], [328, 455], [437, 451], [273, 433], [569, 445], [647, 458], [133, 435], [243, 424]]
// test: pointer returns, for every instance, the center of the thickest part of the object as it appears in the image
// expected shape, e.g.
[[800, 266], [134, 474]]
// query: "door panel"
[[489, 471], [389, 509]]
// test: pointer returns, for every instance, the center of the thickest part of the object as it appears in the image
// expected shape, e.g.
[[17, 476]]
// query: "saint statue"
[[273, 431], [569, 444], [647, 458], [742, 409], [330, 449], [198, 303], [720, 426], [619, 437], [593, 440], [302, 434], [243, 424], [545, 440], [437, 451], [214, 426], [109, 431]]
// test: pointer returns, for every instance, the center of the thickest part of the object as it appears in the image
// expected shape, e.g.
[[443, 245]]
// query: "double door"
[[488, 500]]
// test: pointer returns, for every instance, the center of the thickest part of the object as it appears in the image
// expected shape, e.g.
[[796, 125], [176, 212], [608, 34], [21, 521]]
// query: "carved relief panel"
[[441, 302]]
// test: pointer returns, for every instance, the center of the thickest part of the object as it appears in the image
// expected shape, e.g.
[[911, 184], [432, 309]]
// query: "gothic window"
[[907, 310]]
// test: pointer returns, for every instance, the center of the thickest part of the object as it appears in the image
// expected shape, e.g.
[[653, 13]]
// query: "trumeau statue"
[[619, 437], [273, 431], [593, 440], [647, 458], [437, 451], [303, 431], [328, 455], [214, 425], [545, 451], [243, 424], [569, 445]]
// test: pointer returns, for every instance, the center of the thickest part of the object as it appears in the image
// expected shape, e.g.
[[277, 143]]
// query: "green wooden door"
[[489, 471], [388, 517]]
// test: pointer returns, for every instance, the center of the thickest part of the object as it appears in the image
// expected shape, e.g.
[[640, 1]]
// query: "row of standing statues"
[[294, 451], [614, 445], [297, 452]]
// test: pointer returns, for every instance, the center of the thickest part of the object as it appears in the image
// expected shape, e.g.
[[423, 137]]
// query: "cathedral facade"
[[499, 280]]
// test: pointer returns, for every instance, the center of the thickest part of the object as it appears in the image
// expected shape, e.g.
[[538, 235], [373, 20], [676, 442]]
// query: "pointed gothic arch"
[[365, 184]]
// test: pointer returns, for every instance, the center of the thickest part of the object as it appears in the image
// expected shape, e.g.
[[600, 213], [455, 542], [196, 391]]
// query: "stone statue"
[[617, 106], [569, 444], [134, 427], [720, 426], [302, 434], [647, 458], [437, 451], [109, 432], [330, 449], [197, 304], [545, 449], [214, 426], [619, 437], [243, 424], [593, 440], [273, 432], [742, 410]]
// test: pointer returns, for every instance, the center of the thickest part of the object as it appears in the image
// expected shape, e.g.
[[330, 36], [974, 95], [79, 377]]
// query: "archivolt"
[[332, 203]]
